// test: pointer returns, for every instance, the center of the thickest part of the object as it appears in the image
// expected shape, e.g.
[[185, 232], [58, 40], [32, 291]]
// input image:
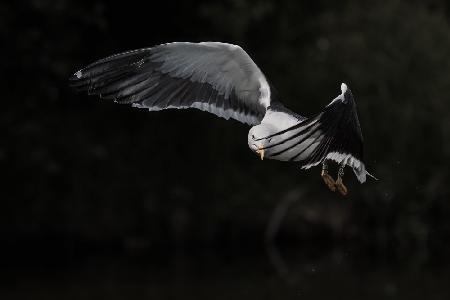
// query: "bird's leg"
[[339, 184], [260, 151], [329, 181]]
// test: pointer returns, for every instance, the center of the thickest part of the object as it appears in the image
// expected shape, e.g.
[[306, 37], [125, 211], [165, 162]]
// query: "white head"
[[258, 132]]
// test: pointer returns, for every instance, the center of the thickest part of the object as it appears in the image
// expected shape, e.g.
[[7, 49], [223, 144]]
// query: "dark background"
[[101, 200]]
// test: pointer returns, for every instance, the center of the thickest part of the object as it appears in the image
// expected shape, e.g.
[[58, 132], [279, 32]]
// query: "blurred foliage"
[[79, 169]]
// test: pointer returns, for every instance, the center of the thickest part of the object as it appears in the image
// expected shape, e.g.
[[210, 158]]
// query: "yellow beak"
[[260, 151]]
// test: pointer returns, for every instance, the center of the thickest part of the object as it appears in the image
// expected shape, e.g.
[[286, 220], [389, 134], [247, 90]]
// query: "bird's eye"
[[253, 136]]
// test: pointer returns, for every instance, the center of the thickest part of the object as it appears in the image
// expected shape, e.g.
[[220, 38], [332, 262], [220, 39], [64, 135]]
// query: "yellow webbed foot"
[[329, 181], [341, 187]]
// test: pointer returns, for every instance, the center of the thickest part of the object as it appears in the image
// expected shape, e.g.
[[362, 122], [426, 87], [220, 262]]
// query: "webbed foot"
[[341, 187], [329, 181]]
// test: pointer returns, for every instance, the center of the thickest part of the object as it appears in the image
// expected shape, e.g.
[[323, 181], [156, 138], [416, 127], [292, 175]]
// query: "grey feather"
[[216, 77]]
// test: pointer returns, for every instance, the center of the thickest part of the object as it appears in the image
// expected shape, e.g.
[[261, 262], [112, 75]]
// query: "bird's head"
[[256, 138]]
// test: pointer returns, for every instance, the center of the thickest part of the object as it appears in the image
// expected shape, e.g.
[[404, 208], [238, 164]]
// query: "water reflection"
[[296, 275]]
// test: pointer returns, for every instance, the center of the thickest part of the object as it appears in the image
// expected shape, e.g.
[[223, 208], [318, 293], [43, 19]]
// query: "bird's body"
[[275, 120], [222, 79]]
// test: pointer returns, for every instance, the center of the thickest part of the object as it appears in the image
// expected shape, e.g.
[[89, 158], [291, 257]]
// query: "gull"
[[222, 79]]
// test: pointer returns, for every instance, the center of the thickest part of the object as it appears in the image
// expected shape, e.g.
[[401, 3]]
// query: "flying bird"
[[222, 79]]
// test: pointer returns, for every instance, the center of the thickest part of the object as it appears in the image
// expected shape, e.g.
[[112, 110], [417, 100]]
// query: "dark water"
[[269, 275]]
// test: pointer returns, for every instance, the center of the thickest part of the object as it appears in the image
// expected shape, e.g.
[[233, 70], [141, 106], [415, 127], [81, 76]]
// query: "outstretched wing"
[[333, 134], [215, 77]]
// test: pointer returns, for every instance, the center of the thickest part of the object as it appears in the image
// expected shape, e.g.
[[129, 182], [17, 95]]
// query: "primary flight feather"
[[222, 79]]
